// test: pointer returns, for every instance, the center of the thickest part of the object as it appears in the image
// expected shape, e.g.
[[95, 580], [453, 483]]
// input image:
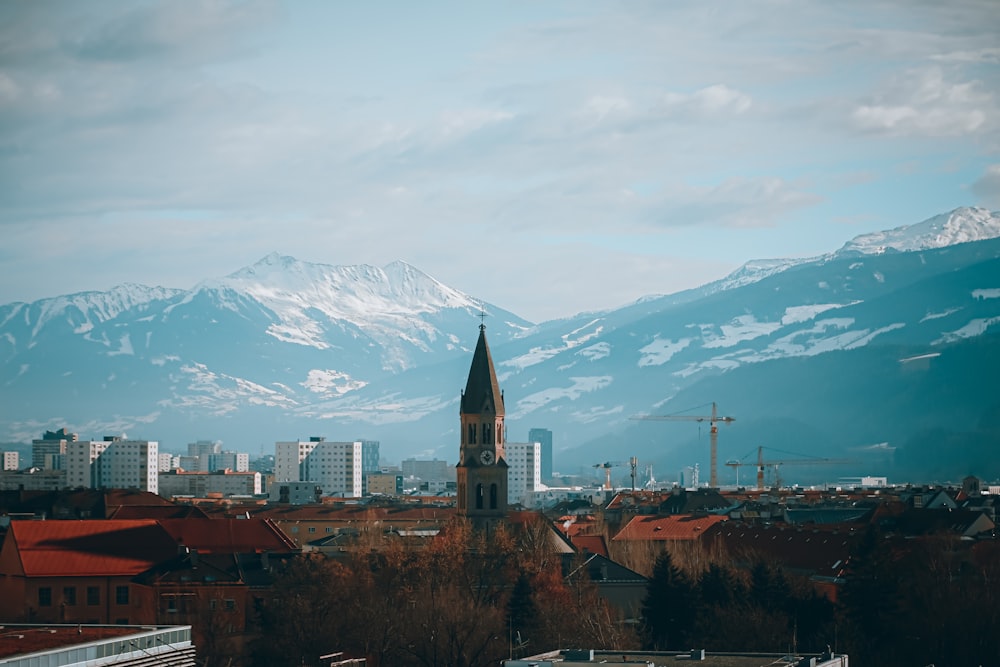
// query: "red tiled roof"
[[667, 528], [89, 548], [228, 535], [590, 543]]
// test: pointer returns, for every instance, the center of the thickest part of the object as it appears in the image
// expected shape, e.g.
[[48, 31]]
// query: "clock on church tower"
[[482, 470]]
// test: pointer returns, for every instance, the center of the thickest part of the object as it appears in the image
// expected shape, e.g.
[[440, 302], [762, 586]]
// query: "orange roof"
[[89, 548], [667, 528]]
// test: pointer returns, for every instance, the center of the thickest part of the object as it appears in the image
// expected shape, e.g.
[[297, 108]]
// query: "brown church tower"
[[482, 469]]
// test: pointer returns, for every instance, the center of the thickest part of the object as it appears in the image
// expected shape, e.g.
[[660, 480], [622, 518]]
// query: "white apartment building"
[[333, 466], [113, 463], [201, 484], [11, 461], [524, 472]]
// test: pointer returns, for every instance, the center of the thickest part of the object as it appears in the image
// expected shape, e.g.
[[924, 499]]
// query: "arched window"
[[487, 434], [472, 434], [479, 496], [493, 496]]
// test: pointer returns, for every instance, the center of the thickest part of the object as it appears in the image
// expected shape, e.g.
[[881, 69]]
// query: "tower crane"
[[608, 465], [712, 419], [761, 464]]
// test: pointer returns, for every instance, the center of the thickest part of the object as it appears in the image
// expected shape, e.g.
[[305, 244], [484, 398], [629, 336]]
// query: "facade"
[[113, 463], [295, 493], [32, 479], [234, 461], [11, 461], [525, 473], [429, 471], [482, 466], [386, 484], [202, 484], [543, 436], [333, 466], [47, 452], [201, 450]]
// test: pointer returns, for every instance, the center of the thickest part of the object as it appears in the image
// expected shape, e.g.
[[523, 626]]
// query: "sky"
[[546, 157]]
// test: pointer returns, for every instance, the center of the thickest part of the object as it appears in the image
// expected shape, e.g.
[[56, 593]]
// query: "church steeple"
[[482, 391], [482, 469]]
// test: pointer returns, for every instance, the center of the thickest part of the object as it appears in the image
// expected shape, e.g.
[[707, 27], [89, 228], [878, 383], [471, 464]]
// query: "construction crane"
[[713, 420], [608, 465], [762, 464]]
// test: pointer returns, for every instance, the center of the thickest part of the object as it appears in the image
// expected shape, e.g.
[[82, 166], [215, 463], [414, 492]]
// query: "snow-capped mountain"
[[893, 338]]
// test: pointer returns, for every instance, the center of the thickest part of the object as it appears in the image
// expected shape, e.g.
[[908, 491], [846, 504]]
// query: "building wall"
[[543, 436], [200, 484], [334, 466], [11, 460], [113, 464], [388, 484], [524, 475], [39, 480], [75, 600], [430, 471]]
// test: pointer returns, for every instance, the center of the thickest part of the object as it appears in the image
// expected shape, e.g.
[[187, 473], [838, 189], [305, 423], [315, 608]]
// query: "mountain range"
[[883, 353]]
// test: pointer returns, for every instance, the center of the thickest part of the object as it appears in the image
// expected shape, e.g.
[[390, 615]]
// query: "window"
[[45, 597], [69, 596], [230, 604], [121, 594], [212, 604], [312, 529], [93, 596]]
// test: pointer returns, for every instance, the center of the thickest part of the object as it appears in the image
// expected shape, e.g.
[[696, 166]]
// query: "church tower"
[[482, 469]]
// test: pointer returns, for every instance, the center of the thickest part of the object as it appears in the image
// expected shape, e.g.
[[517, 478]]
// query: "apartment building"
[[11, 460], [48, 451], [524, 471], [333, 466], [113, 463]]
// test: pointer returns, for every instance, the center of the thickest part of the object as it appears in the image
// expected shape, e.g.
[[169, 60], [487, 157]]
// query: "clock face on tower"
[[486, 457]]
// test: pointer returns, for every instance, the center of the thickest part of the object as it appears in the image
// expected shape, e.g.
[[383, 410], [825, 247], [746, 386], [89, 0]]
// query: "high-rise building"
[[524, 476], [47, 452], [333, 466], [199, 455], [543, 436], [11, 460], [114, 463], [234, 461], [482, 467]]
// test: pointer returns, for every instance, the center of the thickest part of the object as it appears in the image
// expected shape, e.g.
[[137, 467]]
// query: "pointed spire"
[[482, 391]]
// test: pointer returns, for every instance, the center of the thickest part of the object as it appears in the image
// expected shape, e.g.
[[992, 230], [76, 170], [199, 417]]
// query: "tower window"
[[493, 496], [479, 496], [472, 434]]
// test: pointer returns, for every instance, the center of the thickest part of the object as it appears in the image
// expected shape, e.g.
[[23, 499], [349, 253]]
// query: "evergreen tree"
[[668, 608]]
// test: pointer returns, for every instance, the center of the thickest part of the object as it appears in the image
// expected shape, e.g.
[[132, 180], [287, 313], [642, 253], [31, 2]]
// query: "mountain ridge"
[[286, 346]]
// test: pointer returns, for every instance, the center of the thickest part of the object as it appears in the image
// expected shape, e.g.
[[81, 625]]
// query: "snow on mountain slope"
[[959, 226], [386, 303]]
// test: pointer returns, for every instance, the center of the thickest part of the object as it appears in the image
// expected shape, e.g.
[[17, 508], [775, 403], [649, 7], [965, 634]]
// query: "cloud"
[[987, 187], [712, 100], [925, 103]]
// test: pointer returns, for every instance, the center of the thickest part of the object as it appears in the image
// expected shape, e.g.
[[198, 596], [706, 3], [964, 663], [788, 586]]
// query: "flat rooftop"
[[21, 639]]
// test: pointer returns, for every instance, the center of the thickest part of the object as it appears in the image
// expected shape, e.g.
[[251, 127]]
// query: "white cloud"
[[926, 103]]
